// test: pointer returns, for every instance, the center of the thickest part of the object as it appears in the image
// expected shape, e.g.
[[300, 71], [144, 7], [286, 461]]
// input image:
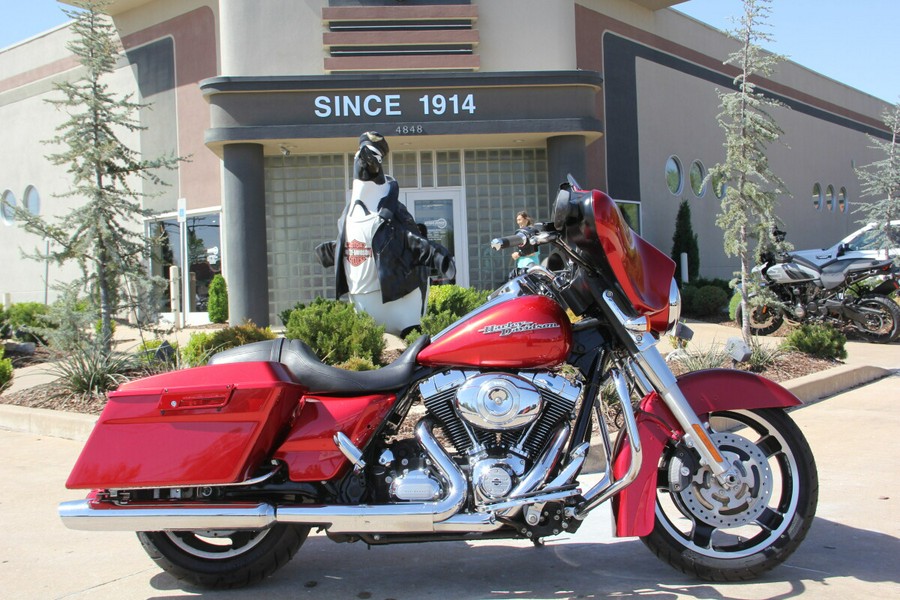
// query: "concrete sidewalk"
[[852, 550]]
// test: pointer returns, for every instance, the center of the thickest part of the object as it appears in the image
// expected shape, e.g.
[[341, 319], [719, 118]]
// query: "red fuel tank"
[[525, 332]]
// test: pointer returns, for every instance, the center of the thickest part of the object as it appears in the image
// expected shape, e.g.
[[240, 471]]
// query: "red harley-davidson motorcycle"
[[223, 470]]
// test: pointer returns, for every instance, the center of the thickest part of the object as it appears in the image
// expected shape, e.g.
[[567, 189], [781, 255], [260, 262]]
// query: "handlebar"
[[536, 236], [517, 239]]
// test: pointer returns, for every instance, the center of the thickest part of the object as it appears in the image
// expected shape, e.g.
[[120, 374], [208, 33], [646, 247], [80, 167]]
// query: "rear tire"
[[764, 320], [736, 534], [881, 325], [223, 559]]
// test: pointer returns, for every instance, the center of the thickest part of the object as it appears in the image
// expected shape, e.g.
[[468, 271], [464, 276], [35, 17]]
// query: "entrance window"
[[198, 239]]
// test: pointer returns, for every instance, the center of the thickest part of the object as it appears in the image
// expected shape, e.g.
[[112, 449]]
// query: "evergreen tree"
[[217, 304], [751, 187], [102, 232], [685, 241], [881, 180]]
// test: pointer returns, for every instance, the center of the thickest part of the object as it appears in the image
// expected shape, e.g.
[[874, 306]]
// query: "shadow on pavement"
[[561, 569]]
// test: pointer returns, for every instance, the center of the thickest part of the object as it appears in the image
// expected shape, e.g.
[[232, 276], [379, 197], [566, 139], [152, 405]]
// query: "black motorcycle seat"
[[307, 370], [834, 273]]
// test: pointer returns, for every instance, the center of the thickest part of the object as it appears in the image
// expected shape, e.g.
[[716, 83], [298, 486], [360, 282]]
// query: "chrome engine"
[[499, 423]]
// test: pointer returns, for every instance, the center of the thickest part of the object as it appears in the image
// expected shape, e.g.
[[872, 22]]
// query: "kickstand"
[[538, 542]]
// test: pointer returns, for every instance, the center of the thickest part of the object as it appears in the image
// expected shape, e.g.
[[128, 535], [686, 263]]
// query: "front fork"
[[651, 373]]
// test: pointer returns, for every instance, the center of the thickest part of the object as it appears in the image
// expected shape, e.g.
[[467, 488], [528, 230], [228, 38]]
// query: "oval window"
[[842, 200], [8, 207], [674, 175], [697, 175], [817, 196], [32, 200], [829, 198], [719, 186]]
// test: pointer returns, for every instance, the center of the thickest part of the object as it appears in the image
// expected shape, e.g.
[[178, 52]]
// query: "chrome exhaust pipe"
[[426, 517], [391, 518], [87, 515]]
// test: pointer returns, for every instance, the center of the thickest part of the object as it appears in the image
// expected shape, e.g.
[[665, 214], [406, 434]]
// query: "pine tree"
[[751, 187], [881, 180], [217, 303], [102, 232], [684, 240]]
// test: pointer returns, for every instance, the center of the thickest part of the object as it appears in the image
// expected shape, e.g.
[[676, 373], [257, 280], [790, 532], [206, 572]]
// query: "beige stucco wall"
[[526, 35], [275, 37], [677, 115]]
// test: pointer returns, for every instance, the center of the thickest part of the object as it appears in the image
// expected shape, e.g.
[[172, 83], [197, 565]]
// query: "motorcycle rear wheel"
[[223, 559], [764, 320], [882, 324], [716, 534]]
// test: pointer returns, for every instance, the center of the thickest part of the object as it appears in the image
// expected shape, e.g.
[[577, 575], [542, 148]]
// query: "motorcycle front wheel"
[[764, 320], [880, 320], [223, 558], [733, 534]]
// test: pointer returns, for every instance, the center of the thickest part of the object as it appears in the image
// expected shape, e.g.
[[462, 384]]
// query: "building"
[[486, 104]]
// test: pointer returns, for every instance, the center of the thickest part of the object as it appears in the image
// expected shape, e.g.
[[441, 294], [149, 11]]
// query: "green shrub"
[[336, 332], [821, 341], [455, 299], [217, 305], [763, 355], [733, 306], [285, 315], [6, 369], [158, 355], [722, 284], [704, 301], [698, 359], [203, 345], [90, 369], [684, 240], [25, 319], [4, 323], [446, 304], [355, 363]]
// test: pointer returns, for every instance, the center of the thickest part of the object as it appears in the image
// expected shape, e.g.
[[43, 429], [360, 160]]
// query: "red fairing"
[[644, 272], [207, 425], [527, 332], [706, 391], [309, 450]]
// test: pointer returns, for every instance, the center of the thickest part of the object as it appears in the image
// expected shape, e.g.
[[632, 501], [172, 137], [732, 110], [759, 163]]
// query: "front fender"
[[706, 392]]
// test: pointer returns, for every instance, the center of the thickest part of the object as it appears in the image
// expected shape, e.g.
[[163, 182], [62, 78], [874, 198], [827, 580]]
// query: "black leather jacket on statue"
[[398, 249]]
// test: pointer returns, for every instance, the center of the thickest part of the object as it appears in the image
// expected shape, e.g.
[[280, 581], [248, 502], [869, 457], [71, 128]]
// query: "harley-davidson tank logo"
[[356, 252], [516, 327]]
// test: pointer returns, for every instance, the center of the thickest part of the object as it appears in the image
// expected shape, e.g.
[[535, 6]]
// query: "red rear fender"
[[706, 391]]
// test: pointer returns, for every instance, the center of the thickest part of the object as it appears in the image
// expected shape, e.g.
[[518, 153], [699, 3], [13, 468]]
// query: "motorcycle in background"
[[834, 290], [224, 470]]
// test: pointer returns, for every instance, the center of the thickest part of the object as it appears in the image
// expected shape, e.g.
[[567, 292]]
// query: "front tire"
[[881, 322], [719, 534], [223, 559], [764, 320]]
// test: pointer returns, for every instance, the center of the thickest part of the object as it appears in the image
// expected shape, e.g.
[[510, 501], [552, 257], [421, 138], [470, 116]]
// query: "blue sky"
[[855, 43]]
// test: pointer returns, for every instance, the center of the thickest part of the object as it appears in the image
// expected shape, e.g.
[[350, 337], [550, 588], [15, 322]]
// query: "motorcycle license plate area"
[[208, 425]]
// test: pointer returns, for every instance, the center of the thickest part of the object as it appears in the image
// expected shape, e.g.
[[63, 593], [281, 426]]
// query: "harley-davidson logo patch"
[[356, 252], [516, 327]]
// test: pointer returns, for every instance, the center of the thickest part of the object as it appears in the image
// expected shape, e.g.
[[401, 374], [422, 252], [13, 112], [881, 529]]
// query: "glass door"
[[440, 213]]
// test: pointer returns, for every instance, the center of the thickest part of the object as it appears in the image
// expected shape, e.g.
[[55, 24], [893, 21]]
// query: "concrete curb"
[[823, 384], [44, 421], [77, 426]]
